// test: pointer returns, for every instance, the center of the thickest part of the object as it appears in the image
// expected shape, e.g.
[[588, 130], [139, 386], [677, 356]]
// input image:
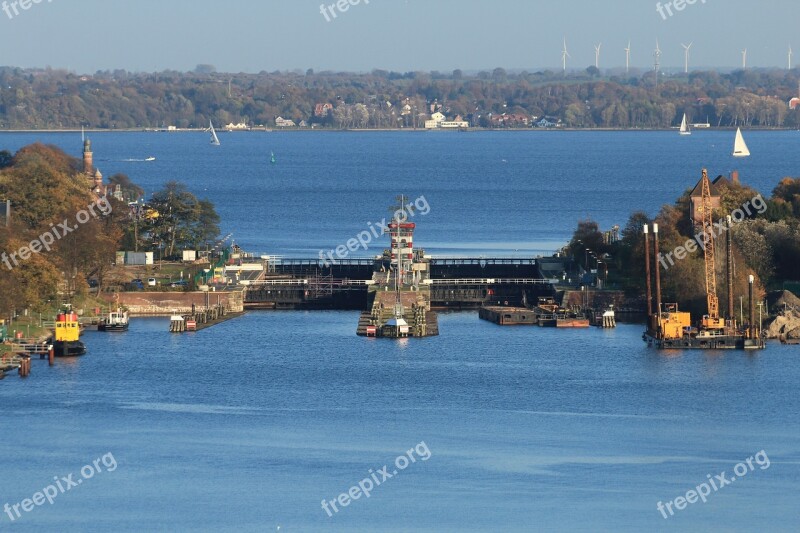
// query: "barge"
[[509, 316]]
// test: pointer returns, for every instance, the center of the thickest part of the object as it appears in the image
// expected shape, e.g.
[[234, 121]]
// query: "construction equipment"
[[669, 328], [712, 319]]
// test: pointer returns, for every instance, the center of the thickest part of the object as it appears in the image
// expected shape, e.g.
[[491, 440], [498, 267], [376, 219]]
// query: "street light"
[[605, 270]]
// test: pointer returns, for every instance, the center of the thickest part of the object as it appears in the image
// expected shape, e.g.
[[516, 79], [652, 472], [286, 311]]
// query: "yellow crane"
[[712, 320]]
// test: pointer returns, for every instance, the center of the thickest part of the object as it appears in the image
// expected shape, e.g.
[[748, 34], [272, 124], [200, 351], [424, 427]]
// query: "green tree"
[[5, 159], [183, 221], [129, 189]]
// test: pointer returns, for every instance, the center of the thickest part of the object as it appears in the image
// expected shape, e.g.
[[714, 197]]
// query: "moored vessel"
[[65, 341], [114, 321]]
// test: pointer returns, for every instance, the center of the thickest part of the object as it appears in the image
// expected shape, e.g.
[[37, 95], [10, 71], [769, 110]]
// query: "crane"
[[712, 320]]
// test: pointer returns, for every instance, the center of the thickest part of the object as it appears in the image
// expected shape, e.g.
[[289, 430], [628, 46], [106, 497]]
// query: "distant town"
[[49, 99]]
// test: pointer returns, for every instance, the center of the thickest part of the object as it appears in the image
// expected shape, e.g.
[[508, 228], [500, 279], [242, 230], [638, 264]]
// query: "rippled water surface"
[[249, 425]]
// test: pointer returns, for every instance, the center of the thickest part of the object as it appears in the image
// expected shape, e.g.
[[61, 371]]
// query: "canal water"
[[251, 424]]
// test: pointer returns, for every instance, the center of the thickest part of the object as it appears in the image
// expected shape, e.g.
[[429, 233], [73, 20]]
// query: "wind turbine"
[[597, 55], [628, 57], [686, 56], [657, 60], [790, 57], [564, 56], [744, 59]]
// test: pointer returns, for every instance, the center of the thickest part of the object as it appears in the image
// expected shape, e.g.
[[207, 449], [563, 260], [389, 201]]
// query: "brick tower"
[[88, 166]]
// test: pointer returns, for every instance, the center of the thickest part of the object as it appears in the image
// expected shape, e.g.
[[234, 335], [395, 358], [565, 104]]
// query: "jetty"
[[200, 319]]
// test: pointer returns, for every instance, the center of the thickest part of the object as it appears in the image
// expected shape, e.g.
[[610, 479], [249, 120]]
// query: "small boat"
[[685, 127], [151, 158], [214, 138], [272, 158], [739, 146], [115, 321]]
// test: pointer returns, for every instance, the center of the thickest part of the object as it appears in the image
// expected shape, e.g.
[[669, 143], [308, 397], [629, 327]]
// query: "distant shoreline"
[[361, 130]]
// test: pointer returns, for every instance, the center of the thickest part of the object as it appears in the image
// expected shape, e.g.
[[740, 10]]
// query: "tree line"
[[49, 192], [49, 98], [765, 243]]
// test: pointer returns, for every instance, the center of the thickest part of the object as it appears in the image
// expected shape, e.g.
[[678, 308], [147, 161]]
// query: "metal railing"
[[490, 281], [10, 362], [31, 347], [482, 261], [304, 282]]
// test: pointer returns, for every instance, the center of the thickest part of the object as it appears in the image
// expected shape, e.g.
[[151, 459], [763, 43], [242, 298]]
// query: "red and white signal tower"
[[401, 232]]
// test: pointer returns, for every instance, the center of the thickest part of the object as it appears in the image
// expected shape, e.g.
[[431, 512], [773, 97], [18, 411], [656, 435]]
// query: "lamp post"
[[605, 269], [760, 319]]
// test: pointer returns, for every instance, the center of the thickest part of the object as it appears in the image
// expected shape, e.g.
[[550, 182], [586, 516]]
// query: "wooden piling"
[[25, 367], [51, 356]]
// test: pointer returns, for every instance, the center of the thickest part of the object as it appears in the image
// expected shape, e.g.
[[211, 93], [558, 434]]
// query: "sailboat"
[[685, 127], [214, 138], [739, 146]]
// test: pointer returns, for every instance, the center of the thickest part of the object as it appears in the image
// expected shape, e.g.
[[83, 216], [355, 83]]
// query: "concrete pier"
[[201, 319], [417, 314]]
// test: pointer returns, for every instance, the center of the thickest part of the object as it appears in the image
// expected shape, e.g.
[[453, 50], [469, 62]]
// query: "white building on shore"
[[438, 121]]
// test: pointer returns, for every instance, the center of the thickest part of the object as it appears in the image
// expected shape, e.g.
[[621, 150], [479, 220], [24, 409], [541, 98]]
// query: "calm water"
[[517, 193], [247, 426]]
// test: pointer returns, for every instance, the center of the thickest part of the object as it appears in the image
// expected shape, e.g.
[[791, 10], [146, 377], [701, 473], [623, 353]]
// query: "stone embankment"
[[176, 303]]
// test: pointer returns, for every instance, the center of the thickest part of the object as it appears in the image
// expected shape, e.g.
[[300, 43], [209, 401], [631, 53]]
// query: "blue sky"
[[403, 35]]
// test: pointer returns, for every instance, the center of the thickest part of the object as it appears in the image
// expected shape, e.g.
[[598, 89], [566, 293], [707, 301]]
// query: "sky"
[[85, 36]]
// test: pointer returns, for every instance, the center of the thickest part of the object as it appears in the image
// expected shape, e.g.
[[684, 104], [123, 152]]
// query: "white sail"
[[739, 146], [214, 138], [684, 126]]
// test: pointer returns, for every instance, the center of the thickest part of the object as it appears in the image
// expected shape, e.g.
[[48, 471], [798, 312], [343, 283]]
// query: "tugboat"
[[115, 321], [66, 342]]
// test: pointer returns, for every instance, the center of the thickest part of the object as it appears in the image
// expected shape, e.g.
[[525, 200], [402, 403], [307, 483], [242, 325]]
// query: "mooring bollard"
[[24, 367]]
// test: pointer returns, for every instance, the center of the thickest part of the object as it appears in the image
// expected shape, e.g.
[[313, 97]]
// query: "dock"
[[420, 320], [201, 319]]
